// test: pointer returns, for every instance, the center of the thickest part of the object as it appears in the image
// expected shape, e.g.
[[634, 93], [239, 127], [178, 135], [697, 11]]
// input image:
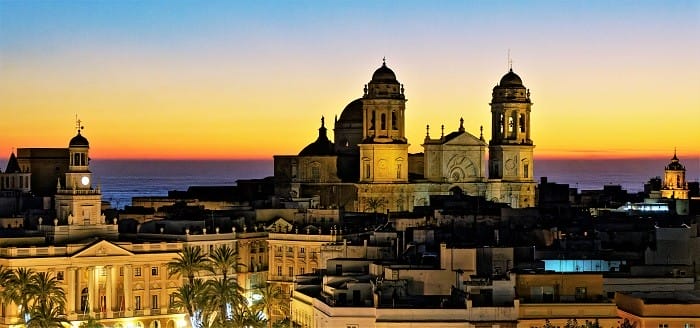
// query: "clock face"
[[85, 181]]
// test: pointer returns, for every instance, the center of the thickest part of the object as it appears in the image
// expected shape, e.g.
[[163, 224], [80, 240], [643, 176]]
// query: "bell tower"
[[511, 148], [675, 186], [78, 176], [77, 202], [384, 147]]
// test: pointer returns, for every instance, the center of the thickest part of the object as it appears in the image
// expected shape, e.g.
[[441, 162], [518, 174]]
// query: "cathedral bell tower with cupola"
[[510, 147], [675, 186], [384, 148]]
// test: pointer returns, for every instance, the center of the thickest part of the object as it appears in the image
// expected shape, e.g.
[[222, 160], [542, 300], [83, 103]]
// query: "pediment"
[[279, 224], [102, 248], [465, 138]]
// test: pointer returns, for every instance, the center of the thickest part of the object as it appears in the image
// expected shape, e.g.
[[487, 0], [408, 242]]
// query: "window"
[[315, 173], [172, 300], [121, 271], [279, 270], [137, 303], [301, 250], [580, 293], [154, 302], [688, 325], [137, 271], [526, 171], [398, 171], [663, 325], [521, 123], [59, 275], [301, 270], [393, 121], [367, 170], [290, 270], [383, 121], [154, 271]]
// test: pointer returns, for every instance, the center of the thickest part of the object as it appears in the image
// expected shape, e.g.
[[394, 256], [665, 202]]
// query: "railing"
[[155, 311], [139, 313]]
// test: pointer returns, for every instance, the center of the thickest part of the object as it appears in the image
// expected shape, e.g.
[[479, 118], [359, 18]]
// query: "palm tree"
[[192, 298], [189, 262], [5, 275], [271, 298], [225, 295], [91, 323], [47, 316], [223, 260], [44, 290], [18, 290]]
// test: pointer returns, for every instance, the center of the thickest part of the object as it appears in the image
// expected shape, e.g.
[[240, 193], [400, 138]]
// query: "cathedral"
[[367, 167]]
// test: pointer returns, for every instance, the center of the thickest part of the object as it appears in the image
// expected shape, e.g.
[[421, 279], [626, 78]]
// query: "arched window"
[[372, 120], [511, 124], [521, 122], [394, 121], [383, 121]]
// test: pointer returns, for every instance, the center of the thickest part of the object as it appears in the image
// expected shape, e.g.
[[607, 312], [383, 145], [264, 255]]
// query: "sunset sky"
[[229, 80]]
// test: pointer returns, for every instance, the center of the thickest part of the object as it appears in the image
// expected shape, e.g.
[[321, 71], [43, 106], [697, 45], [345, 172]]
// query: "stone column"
[[108, 290], [128, 292], [146, 299], [92, 292], [70, 290]]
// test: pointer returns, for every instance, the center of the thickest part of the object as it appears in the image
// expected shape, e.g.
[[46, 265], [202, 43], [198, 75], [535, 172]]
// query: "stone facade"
[[370, 152]]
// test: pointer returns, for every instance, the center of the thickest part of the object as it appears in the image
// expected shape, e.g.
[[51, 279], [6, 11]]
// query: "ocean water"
[[121, 180]]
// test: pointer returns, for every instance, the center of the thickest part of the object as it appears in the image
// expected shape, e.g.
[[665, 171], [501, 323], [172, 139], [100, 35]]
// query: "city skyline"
[[179, 80]]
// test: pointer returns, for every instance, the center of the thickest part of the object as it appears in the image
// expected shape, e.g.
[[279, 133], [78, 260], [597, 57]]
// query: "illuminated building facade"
[[367, 167]]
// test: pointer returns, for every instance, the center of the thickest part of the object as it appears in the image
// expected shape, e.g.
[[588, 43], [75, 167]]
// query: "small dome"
[[322, 146], [384, 74], [79, 141], [511, 80]]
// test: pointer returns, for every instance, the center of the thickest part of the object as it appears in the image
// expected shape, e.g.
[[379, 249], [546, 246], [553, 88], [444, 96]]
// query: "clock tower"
[[77, 202]]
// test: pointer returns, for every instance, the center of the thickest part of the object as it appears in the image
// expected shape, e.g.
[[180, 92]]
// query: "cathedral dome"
[[511, 80], [321, 147], [384, 74], [79, 141], [352, 113]]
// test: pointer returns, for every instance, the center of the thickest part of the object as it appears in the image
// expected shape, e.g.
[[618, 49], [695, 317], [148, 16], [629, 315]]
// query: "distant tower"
[[510, 147], [675, 185], [77, 203], [384, 147]]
